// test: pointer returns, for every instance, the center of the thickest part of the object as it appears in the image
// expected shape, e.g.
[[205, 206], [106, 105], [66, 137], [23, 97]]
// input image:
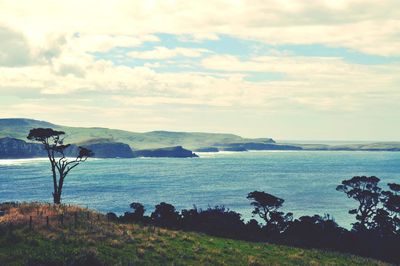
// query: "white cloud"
[[317, 83], [369, 26], [46, 50], [326, 72], [198, 37], [104, 43], [152, 65], [14, 48], [160, 52]]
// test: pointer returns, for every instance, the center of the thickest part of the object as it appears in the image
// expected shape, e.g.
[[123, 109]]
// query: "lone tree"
[[53, 142], [266, 206], [366, 191]]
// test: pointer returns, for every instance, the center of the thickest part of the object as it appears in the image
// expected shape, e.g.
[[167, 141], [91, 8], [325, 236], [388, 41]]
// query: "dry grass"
[[19, 213], [134, 244]]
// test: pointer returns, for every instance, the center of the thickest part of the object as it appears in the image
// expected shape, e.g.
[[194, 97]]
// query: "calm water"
[[306, 180]]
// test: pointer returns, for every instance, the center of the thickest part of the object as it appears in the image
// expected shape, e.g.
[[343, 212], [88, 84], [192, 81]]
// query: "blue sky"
[[246, 49], [316, 70]]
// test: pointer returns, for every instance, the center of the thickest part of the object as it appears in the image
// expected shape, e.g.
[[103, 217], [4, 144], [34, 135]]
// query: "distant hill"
[[19, 128], [377, 146], [203, 142]]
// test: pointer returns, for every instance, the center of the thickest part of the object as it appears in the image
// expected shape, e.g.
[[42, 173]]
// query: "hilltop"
[[88, 238], [19, 128], [146, 142]]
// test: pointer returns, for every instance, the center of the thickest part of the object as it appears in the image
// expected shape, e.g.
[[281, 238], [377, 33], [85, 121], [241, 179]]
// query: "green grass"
[[19, 128], [100, 241]]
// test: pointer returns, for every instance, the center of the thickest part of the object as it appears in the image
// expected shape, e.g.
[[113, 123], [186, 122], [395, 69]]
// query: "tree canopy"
[[266, 206], [366, 191]]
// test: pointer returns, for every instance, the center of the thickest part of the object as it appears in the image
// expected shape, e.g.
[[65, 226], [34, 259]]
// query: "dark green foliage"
[[391, 201], [45, 134], [138, 209], [394, 187], [366, 191], [218, 221], [264, 203], [112, 217], [383, 223], [266, 207], [136, 215], [165, 215]]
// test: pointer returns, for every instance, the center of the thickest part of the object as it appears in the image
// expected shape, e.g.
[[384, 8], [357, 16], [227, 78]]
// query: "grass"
[[93, 240], [19, 128]]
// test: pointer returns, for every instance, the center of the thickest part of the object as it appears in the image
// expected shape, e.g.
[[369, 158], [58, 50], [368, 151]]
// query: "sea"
[[306, 180]]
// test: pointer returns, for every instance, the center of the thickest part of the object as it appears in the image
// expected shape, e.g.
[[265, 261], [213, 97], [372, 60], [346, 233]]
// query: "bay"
[[306, 180]]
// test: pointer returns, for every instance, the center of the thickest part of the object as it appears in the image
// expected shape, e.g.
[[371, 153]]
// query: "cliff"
[[207, 149], [176, 152], [11, 148], [110, 150]]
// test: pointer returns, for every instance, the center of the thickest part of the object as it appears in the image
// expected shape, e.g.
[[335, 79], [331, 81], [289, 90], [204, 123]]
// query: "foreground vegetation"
[[375, 234], [89, 238]]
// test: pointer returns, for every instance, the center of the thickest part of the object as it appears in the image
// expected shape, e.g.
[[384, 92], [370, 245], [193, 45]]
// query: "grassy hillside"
[[373, 146], [358, 147], [19, 128], [87, 238]]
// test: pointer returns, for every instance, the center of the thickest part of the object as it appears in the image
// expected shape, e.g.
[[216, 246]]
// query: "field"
[[35, 234]]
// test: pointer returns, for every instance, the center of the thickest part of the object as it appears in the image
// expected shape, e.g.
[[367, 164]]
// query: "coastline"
[[16, 161]]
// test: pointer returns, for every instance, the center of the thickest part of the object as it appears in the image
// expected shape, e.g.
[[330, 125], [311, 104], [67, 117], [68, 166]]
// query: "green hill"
[[88, 238], [19, 128]]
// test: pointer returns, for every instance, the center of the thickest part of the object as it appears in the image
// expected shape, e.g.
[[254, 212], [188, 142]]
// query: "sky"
[[300, 70]]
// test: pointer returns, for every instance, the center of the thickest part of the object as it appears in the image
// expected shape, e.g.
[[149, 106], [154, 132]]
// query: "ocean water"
[[306, 180]]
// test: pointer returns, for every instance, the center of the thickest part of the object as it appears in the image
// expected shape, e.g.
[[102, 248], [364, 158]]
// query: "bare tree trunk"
[[55, 193], [57, 198], [59, 188], [53, 170]]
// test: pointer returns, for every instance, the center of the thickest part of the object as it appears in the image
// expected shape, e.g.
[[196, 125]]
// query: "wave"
[[215, 154], [7, 162], [22, 161]]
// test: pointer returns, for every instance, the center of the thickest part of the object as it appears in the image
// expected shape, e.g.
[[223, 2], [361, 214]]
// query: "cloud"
[[369, 26], [304, 81], [104, 43], [14, 48], [198, 37], [164, 53], [326, 72], [51, 52]]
